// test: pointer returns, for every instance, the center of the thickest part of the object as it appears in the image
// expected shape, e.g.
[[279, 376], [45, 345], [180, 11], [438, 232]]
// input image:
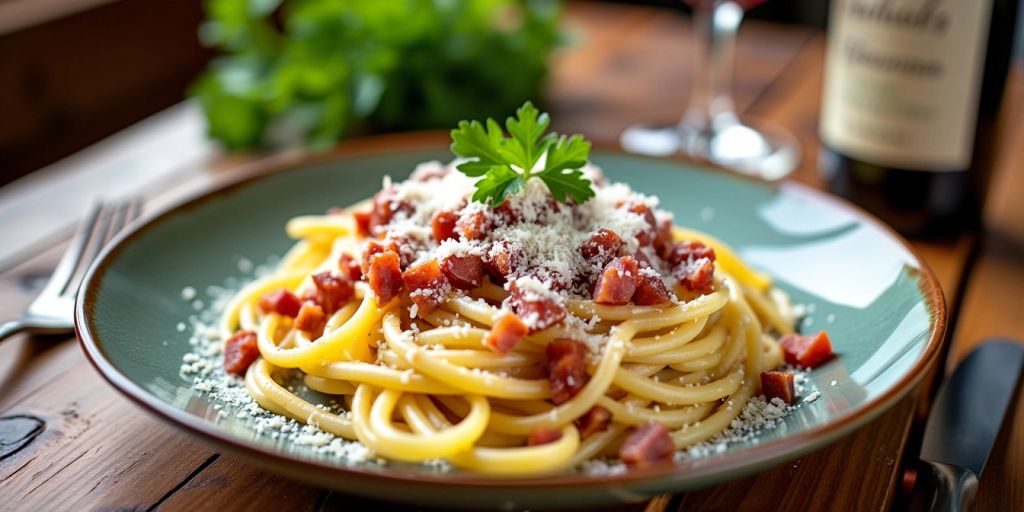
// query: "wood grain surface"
[[628, 65]]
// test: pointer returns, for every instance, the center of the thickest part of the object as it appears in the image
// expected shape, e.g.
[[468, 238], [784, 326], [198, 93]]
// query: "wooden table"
[[98, 451]]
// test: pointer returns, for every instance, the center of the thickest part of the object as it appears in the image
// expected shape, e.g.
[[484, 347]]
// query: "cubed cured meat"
[[386, 204], [651, 290], [506, 213], [373, 248], [505, 333], [502, 259], [333, 290], [464, 272], [617, 282], [567, 368], [443, 226], [538, 311], [687, 251], [595, 420], [350, 267], [473, 225], [426, 285], [698, 276], [543, 435], [363, 221], [601, 247], [807, 350], [646, 236], [778, 385], [641, 259], [649, 443], [282, 302], [240, 351], [385, 276], [311, 320], [663, 237], [692, 264]]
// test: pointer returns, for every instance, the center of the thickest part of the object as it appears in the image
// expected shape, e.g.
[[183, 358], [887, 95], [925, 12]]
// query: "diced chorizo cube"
[[649, 443], [555, 281], [443, 226], [646, 236], [698, 276], [663, 237], [363, 221], [602, 246], [567, 368], [464, 272], [240, 351], [350, 267], [333, 290], [311, 320], [282, 302], [617, 282], [426, 285], [538, 311], [373, 248], [506, 213], [407, 247], [505, 333], [807, 350], [385, 276], [692, 264], [778, 385], [651, 290], [473, 225], [504, 257], [386, 204], [641, 259], [595, 420], [689, 251], [543, 435]]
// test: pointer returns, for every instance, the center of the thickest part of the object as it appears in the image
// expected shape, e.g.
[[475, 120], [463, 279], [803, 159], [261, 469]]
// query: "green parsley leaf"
[[526, 146], [499, 183], [495, 158], [471, 140], [562, 172]]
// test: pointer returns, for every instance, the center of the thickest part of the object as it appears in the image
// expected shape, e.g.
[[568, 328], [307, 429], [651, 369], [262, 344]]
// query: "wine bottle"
[[910, 107]]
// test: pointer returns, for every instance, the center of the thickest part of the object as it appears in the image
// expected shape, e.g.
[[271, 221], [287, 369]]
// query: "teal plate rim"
[[653, 479]]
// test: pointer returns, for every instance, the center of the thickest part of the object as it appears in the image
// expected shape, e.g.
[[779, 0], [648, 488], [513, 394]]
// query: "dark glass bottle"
[[911, 105]]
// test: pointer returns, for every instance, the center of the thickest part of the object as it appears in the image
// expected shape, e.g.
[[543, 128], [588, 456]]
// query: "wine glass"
[[711, 130]]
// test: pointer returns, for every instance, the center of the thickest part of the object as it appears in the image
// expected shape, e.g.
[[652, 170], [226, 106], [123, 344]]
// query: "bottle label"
[[902, 79]]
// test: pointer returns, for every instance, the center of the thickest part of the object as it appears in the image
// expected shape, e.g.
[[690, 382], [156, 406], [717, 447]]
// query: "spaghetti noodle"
[[519, 340]]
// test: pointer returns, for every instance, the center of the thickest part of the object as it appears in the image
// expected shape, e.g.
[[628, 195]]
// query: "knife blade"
[[963, 425]]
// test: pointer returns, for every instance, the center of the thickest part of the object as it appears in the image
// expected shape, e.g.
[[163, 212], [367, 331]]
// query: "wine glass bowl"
[[711, 130]]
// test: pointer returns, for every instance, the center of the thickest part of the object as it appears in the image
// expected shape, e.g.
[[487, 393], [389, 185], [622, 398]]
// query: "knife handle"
[[942, 487]]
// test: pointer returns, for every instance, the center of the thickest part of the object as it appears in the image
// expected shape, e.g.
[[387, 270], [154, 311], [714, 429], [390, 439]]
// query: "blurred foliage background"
[[313, 71]]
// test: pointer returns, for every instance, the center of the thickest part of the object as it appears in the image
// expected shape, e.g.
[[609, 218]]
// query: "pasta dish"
[[516, 340]]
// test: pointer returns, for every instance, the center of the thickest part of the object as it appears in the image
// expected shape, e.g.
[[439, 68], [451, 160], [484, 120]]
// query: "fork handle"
[[8, 329]]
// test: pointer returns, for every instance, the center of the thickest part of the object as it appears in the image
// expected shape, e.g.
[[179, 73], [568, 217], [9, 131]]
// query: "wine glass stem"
[[715, 26]]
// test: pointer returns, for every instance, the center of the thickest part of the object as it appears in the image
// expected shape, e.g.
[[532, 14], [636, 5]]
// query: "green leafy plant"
[[505, 164], [314, 71]]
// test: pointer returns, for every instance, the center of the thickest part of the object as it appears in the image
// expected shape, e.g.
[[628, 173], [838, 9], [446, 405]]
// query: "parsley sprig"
[[505, 164]]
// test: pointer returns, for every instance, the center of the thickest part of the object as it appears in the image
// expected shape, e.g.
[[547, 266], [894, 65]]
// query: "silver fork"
[[52, 312]]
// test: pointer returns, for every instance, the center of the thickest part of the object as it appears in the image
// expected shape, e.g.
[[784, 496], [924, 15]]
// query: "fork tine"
[[122, 214], [69, 262], [127, 212], [96, 241], [135, 211]]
